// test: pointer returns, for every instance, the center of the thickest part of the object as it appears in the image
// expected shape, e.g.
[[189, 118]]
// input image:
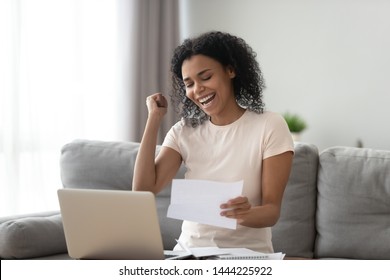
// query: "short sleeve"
[[277, 138], [171, 139]]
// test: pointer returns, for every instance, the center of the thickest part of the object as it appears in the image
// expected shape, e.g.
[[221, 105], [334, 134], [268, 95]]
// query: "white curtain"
[[62, 77], [57, 83]]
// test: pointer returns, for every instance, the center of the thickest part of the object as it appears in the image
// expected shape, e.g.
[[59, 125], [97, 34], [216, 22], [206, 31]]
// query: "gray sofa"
[[336, 205]]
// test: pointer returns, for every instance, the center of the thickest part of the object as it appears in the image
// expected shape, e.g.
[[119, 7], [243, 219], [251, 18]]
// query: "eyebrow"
[[199, 74]]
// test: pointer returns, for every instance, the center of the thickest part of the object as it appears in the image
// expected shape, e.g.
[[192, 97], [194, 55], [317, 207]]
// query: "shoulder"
[[266, 118], [183, 125], [268, 115], [179, 125], [269, 125], [183, 128]]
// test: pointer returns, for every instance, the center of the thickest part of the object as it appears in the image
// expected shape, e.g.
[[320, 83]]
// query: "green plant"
[[295, 122]]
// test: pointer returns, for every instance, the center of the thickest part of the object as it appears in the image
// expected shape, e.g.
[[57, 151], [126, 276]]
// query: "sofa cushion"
[[98, 164], [294, 233], [92, 164], [30, 237], [353, 216]]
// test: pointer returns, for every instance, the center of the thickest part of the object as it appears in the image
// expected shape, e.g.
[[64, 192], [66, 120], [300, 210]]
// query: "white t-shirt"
[[230, 153]]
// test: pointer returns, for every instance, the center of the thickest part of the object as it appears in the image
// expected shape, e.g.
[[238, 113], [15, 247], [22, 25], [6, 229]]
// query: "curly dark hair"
[[228, 50]]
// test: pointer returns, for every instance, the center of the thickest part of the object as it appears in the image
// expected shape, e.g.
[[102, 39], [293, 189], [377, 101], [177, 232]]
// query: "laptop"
[[111, 224]]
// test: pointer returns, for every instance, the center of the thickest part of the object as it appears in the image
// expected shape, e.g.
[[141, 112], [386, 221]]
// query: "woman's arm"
[[275, 174], [150, 173]]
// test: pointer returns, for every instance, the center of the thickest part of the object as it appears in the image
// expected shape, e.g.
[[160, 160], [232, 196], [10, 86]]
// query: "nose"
[[198, 88]]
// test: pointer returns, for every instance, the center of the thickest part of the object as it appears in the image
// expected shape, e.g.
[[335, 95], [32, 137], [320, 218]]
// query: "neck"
[[229, 117]]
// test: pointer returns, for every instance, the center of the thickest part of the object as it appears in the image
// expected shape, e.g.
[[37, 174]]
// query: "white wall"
[[327, 60]]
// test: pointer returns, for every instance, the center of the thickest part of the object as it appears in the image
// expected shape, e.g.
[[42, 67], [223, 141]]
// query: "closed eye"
[[188, 85]]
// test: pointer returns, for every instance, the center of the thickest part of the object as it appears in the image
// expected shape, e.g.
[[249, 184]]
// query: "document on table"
[[225, 253], [246, 254], [200, 200]]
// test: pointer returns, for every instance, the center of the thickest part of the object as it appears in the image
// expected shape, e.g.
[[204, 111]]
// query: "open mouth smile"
[[207, 99]]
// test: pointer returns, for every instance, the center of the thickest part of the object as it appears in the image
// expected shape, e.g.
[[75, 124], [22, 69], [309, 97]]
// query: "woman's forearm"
[[144, 177], [262, 216]]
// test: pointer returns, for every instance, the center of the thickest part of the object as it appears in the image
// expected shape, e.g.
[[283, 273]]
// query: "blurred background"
[[72, 69]]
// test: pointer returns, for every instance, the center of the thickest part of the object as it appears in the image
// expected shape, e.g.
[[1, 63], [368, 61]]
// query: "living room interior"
[[80, 77]]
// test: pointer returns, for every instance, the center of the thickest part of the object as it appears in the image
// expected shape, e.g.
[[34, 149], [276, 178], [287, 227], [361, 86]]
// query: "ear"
[[231, 72]]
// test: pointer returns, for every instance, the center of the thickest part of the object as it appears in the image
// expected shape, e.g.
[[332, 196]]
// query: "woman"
[[224, 135]]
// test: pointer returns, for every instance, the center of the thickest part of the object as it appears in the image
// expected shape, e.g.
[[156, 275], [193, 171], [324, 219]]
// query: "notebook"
[[111, 224]]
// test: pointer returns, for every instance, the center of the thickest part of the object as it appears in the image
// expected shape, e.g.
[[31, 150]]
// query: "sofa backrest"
[[353, 212], [98, 164]]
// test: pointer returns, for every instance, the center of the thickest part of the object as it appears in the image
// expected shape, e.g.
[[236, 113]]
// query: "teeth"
[[205, 99]]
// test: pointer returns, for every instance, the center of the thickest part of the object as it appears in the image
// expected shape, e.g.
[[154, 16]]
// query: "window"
[[57, 83]]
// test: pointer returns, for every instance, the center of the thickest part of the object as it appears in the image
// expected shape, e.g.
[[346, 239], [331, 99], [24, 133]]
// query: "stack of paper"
[[226, 253]]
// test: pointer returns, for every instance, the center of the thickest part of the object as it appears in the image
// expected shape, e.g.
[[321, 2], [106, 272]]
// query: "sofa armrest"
[[295, 232], [31, 236]]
